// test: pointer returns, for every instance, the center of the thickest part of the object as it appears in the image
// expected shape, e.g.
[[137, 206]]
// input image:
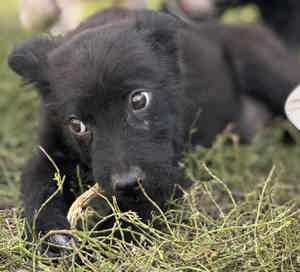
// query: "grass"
[[18, 108], [242, 214]]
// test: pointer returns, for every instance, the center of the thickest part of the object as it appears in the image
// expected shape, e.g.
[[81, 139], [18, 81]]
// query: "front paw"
[[58, 245]]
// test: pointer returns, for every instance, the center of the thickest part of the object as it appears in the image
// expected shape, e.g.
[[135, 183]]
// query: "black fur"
[[91, 72]]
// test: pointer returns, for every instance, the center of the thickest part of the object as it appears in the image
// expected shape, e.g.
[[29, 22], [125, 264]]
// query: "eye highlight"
[[139, 100]]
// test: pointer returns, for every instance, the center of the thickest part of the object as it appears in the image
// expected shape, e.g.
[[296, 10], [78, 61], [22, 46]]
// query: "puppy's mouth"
[[132, 192], [132, 195], [135, 197]]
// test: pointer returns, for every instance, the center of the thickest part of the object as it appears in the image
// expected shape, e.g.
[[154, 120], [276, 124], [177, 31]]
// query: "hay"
[[77, 208]]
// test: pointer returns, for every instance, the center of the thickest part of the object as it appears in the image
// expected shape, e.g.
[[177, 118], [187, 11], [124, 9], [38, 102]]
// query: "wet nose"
[[128, 181]]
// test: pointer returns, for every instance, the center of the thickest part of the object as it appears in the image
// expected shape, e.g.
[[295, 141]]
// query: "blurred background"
[[61, 15]]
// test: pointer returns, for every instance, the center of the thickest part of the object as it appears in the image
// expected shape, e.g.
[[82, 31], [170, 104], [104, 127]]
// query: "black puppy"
[[121, 93]]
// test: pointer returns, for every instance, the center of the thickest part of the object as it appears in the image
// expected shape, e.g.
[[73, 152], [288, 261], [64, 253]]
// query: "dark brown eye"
[[139, 100], [77, 127], [80, 131]]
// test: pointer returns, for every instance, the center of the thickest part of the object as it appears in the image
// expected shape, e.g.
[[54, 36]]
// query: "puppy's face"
[[114, 93]]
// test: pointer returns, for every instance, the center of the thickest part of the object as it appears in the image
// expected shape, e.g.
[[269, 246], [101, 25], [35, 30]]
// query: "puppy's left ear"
[[292, 107], [29, 59], [161, 30]]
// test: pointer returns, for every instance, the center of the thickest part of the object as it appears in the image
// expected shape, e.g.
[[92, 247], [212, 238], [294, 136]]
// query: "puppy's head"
[[115, 89]]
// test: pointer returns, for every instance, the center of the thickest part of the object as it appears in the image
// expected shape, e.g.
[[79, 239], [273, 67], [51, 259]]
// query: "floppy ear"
[[292, 107], [29, 59], [160, 29]]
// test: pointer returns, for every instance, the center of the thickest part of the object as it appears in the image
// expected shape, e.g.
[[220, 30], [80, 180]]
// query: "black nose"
[[127, 184], [128, 181]]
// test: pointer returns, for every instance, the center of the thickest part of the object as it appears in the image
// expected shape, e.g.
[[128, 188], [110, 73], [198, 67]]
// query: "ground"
[[242, 213]]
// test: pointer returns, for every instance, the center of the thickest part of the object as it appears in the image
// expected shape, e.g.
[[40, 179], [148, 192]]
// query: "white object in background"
[[292, 107], [59, 15], [36, 15], [131, 4], [198, 6]]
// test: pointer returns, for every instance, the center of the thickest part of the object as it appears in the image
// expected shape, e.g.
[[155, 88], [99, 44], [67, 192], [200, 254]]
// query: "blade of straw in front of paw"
[[82, 202]]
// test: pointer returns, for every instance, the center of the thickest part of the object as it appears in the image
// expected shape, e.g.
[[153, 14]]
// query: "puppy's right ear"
[[29, 59]]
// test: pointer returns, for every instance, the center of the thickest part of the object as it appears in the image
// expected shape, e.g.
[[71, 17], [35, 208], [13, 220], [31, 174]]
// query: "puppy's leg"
[[252, 118], [43, 208]]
